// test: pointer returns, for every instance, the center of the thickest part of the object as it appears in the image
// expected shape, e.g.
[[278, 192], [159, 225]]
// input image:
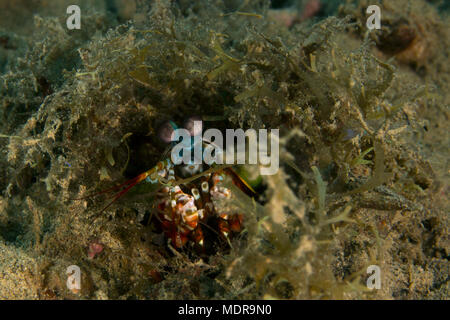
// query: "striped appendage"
[[180, 213]]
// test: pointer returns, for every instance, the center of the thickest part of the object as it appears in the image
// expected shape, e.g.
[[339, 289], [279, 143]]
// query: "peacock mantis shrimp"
[[183, 205]]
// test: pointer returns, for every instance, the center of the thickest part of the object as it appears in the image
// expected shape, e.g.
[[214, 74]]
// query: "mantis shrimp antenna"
[[154, 175]]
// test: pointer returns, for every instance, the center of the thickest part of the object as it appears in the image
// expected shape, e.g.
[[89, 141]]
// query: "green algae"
[[83, 114]]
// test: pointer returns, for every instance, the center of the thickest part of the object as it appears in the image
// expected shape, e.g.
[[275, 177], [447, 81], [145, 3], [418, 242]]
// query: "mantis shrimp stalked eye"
[[194, 125], [166, 131]]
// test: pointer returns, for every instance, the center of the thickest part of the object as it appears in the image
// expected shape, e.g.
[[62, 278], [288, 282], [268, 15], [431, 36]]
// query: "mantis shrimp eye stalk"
[[166, 131], [194, 125]]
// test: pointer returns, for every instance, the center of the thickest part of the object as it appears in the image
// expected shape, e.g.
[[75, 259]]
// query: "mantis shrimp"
[[183, 205]]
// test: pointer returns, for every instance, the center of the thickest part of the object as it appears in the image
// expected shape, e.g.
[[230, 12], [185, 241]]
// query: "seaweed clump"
[[352, 189]]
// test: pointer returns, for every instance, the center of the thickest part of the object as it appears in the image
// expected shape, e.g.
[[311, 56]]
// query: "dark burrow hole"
[[279, 4], [144, 154], [10, 230]]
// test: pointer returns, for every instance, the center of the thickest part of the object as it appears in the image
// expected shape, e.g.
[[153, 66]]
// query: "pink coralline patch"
[[311, 8], [94, 249], [284, 17], [289, 17]]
